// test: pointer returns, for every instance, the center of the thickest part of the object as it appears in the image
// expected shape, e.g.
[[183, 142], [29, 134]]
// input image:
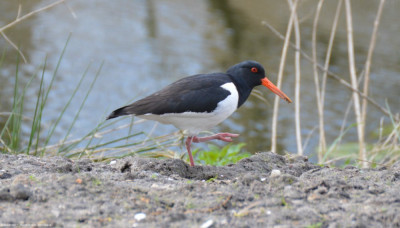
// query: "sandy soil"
[[265, 190]]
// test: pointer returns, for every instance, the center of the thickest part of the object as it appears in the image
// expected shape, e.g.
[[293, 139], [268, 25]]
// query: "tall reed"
[[360, 98]]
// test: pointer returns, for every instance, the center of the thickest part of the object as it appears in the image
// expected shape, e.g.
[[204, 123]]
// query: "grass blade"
[[35, 128], [84, 100], [49, 89]]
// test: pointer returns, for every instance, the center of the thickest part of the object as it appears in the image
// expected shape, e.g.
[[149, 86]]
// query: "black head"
[[248, 73]]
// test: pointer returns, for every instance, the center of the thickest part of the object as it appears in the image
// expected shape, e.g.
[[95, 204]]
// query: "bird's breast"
[[228, 105]]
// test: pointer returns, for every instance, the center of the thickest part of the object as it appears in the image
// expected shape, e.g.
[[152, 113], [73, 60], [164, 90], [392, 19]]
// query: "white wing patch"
[[195, 122]]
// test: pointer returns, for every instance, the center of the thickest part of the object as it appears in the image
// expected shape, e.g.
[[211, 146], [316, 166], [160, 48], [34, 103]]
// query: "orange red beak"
[[267, 83]]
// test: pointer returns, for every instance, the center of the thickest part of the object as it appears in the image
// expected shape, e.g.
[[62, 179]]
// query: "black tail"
[[118, 112]]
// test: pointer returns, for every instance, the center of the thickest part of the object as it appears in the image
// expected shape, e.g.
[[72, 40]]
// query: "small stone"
[[56, 212], [140, 216], [207, 224], [275, 173], [113, 162]]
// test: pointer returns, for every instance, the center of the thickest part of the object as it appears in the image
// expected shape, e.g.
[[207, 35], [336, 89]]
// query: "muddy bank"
[[263, 190]]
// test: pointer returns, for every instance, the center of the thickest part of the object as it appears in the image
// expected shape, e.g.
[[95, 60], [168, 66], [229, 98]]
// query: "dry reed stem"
[[96, 135], [353, 76], [148, 136], [19, 19], [280, 75], [297, 81], [308, 138], [325, 75], [331, 74], [5, 147], [122, 150], [322, 141], [347, 113], [369, 59], [14, 46], [329, 51]]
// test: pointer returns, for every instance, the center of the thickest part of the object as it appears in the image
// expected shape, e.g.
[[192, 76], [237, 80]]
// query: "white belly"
[[195, 122]]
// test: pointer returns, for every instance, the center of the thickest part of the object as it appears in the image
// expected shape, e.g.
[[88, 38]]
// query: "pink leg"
[[226, 137], [188, 143]]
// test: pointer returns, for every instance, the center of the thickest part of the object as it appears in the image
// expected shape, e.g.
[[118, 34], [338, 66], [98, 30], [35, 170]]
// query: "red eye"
[[254, 69]]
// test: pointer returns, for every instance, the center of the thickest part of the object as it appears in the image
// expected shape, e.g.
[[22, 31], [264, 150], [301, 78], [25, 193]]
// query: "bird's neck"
[[243, 89]]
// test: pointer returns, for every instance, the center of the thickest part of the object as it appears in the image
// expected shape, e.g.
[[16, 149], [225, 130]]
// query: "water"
[[146, 45]]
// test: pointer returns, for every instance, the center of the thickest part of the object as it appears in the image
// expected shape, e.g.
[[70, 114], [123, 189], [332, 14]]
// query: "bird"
[[197, 103]]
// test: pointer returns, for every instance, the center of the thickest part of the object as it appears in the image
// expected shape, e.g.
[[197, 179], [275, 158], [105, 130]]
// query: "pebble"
[[207, 224], [140, 216], [275, 173]]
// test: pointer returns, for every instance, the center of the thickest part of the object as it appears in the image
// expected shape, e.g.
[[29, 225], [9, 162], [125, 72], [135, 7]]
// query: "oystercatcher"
[[199, 102]]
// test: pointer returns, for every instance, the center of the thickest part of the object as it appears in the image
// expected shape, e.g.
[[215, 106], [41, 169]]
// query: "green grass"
[[216, 156], [315, 225], [385, 151], [95, 144]]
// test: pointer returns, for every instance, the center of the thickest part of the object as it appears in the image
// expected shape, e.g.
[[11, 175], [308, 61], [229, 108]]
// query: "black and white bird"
[[199, 102]]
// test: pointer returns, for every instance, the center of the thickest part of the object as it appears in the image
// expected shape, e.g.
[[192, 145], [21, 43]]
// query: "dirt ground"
[[265, 190]]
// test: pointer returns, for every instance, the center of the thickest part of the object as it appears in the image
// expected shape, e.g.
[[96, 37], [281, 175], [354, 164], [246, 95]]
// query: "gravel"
[[264, 190]]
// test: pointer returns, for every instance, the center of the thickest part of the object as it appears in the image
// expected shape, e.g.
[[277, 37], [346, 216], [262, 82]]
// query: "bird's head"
[[253, 74]]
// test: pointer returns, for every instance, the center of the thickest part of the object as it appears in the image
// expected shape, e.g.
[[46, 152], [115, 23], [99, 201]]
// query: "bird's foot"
[[188, 143], [226, 137]]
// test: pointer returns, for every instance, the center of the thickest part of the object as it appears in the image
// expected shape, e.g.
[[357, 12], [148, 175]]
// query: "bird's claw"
[[226, 137]]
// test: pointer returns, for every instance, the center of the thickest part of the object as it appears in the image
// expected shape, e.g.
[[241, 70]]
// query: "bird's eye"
[[254, 69]]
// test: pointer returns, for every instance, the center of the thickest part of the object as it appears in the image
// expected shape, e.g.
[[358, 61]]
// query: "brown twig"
[[297, 82], [324, 77], [322, 144], [329, 73], [14, 46], [369, 59], [26, 16], [353, 77], [246, 210], [211, 209], [19, 19], [280, 75]]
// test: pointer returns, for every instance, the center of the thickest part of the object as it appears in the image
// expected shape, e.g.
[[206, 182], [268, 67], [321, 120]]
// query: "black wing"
[[198, 93]]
